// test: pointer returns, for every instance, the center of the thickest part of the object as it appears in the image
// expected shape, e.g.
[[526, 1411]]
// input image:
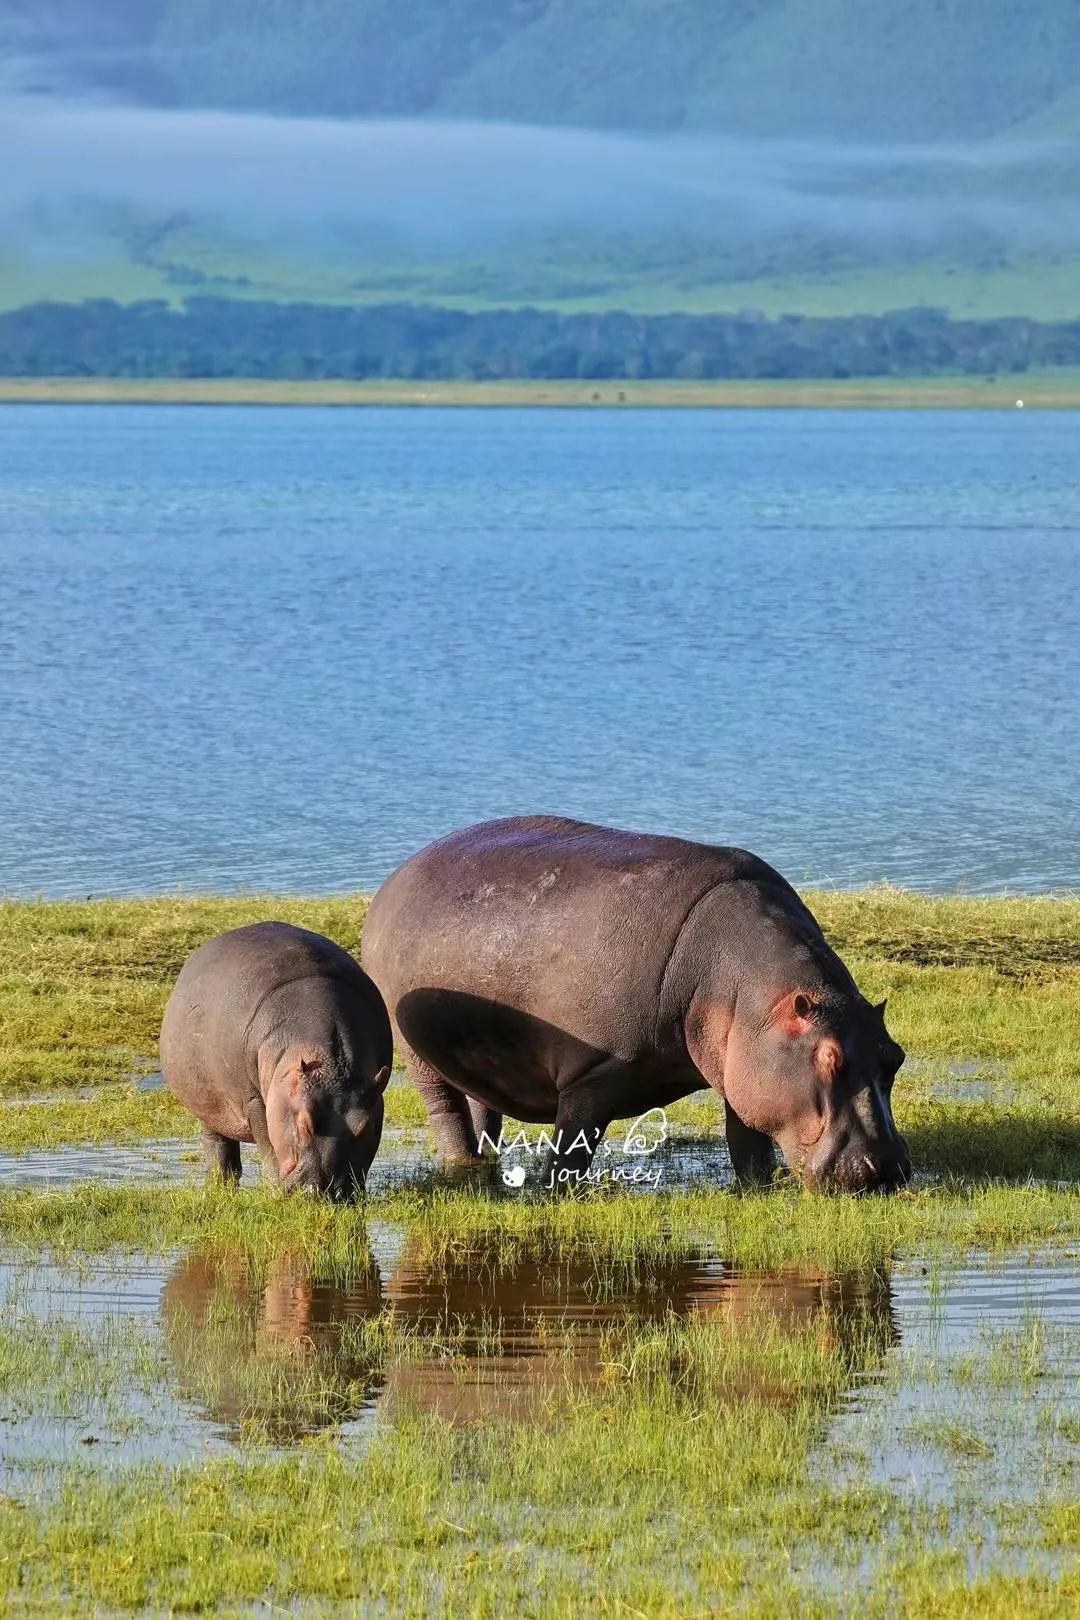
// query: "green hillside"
[[860, 74], [1043, 287]]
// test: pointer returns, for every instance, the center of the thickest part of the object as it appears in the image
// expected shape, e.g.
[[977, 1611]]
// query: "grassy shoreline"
[[1049, 390], [983, 994]]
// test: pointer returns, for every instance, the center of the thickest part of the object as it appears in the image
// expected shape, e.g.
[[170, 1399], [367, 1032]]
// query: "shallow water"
[[405, 1158], [229, 1350], [285, 649]]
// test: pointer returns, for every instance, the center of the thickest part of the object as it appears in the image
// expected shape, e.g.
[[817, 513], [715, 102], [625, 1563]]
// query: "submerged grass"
[[114, 1114], [437, 1519], [120, 1114], [66, 1369]]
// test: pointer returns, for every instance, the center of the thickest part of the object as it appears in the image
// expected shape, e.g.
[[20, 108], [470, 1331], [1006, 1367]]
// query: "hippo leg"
[[221, 1155], [256, 1116], [448, 1112], [753, 1157], [485, 1120], [581, 1119]]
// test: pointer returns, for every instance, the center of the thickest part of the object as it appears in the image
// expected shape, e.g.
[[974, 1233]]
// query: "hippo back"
[[572, 923]]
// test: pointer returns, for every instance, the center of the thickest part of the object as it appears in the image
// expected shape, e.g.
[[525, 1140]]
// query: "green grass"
[[83, 985], [434, 1519], [700, 1462], [765, 1230], [123, 1115], [994, 984], [118, 1114], [705, 1460]]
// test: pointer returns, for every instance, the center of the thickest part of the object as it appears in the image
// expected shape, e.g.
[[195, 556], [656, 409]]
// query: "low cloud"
[[449, 182]]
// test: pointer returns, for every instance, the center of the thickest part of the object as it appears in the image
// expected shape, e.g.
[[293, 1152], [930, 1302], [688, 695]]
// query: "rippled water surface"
[[285, 648]]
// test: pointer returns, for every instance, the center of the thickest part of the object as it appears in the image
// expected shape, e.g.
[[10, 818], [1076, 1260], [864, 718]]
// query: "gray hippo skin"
[[561, 972], [276, 1036]]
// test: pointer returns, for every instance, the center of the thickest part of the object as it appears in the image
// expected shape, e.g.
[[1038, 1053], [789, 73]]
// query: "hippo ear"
[[795, 1013], [880, 1008], [379, 1081]]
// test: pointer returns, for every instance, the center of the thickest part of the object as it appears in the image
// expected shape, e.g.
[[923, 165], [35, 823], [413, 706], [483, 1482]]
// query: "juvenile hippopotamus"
[[561, 972], [276, 1036]]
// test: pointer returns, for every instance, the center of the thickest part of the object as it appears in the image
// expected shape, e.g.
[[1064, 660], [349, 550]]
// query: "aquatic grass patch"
[[119, 1114], [764, 1230], [116, 1114], [83, 986], [70, 1369], [473, 1513], [93, 1218], [711, 1460]]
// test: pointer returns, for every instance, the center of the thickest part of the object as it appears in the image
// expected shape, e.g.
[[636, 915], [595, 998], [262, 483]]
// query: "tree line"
[[222, 337]]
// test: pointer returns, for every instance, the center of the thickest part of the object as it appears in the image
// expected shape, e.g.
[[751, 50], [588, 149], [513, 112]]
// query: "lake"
[[284, 648]]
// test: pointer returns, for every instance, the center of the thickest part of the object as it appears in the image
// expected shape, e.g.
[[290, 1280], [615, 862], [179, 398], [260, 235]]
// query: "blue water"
[[286, 648]]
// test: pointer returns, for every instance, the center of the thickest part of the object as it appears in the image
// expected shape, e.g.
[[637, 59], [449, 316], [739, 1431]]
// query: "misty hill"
[[865, 69], [822, 157]]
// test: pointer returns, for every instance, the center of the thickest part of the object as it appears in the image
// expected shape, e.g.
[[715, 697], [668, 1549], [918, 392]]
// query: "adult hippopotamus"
[[561, 972], [276, 1036]]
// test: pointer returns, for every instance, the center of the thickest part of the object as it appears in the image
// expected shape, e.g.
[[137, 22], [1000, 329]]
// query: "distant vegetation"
[[217, 337]]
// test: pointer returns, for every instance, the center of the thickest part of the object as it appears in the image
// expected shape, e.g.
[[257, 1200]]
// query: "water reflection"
[[526, 1334], [283, 1351], [288, 1352]]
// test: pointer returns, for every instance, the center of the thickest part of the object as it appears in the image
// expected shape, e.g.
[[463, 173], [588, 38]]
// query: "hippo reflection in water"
[[290, 1352], [285, 1351], [531, 1334]]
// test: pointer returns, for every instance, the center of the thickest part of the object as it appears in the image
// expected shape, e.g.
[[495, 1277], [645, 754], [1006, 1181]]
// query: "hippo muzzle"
[[848, 1159], [334, 1173]]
